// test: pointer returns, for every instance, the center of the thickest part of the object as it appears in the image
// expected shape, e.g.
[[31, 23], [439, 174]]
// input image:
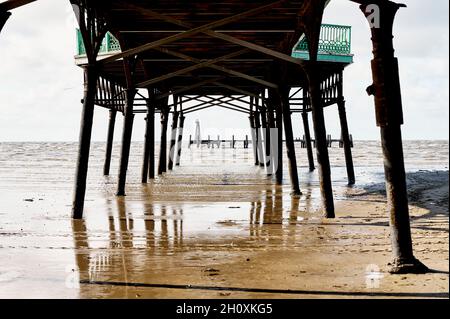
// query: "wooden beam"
[[219, 68], [13, 4], [222, 36], [185, 34], [190, 69]]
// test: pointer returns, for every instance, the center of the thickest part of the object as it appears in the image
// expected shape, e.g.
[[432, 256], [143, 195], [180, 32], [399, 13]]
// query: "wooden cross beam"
[[227, 103], [217, 35], [205, 103], [185, 34], [220, 68], [188, 88], [13, 4], [191, 68]]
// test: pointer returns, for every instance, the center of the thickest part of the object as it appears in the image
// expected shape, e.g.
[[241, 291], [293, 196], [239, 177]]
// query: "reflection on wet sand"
[[134, 252]]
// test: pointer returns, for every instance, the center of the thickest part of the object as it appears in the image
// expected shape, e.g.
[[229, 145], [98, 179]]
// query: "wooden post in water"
[[266, 135], [126, 140], [272, 137], [90, 91], [180, 139], [308, 142], [389, 111], [290, 144], [110, 141]]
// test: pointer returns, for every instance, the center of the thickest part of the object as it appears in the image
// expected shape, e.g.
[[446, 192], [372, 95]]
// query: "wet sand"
[[215, 229]]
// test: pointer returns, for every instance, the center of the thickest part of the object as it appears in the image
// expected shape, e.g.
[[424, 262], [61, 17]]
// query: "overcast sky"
[[41, 88]]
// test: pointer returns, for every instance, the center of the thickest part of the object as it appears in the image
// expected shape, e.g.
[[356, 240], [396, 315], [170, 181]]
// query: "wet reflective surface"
[[216, 227]]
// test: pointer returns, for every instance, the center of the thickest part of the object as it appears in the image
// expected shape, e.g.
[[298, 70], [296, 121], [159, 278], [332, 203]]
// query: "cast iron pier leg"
[[90, 91], [126, 141], [163, 147], [173, 140], [323, 159], [110, 141], [308, 141], [180, 139], [290, 145], [389, 112], [147, 145], [347, 143]]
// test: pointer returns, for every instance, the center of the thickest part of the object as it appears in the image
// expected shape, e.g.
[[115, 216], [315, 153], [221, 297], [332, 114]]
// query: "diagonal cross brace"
[[191, 68], [219, 68], [188, 33]]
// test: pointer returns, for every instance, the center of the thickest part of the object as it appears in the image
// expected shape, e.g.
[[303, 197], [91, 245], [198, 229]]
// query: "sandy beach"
[[216, 227]]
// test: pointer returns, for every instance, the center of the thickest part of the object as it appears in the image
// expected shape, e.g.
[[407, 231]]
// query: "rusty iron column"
[[163, 147], [259, 135], [290, 144], [110, 142], [173, 139], [266, 135], [180, 139], [279, 140], [272, 136], [345, 133], [126, 139], [259, 145], [149, 127], [389, 112], [323, 158], [151, 138], [90, 92], [308, 141], [254, 137]]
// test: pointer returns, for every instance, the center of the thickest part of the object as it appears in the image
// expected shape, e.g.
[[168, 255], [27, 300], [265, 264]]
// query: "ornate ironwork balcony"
[[334, 45]]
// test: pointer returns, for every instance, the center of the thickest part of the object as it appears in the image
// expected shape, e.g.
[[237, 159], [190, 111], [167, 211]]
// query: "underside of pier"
[[232, 52]]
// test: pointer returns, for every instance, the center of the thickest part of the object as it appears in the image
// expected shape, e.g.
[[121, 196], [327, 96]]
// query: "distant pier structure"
[[276, 58]]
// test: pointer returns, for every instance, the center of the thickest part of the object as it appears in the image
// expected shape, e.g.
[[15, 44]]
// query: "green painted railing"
[[109, 44], [335, 44]]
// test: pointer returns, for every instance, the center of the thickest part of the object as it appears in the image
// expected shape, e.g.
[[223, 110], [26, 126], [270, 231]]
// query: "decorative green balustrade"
[[109, 44], [334, 45]]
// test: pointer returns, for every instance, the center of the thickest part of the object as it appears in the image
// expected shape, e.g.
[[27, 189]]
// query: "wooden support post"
[[163, 147], [315, 94], [173, 139], [90, 91], [389, 112], [126, 140], [180, 139], [290, 145], [266, 136], [110, 141], [346, 143]]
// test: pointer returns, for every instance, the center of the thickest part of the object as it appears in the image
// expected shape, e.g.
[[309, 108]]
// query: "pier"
[[268, 61]]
